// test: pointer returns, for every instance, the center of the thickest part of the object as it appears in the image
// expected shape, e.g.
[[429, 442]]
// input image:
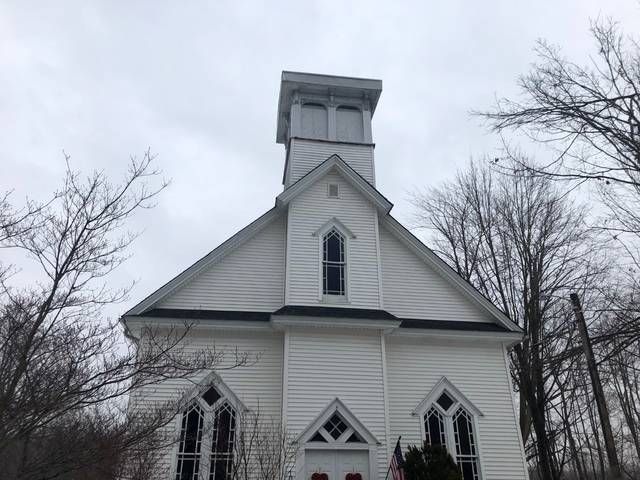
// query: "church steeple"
[[322, 115]]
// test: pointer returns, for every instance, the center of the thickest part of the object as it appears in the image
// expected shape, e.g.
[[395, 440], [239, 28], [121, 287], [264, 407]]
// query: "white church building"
[[362, 333]]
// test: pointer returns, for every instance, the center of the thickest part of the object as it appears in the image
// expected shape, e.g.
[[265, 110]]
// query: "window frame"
[[459, 402], [321, 234], [333, 184], [194, 397]]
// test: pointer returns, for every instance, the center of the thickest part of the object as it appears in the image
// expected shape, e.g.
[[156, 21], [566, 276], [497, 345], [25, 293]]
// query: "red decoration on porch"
[[353, 476], [320, 476]]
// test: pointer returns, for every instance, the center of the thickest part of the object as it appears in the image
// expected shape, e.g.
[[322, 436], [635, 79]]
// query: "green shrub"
[[430, 463]]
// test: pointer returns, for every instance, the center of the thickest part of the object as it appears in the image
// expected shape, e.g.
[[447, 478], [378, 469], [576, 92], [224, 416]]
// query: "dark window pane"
[[354, 438], [224, 428], [334, 279], [333, 266], [188, 462], [191, 434], [318, 438], [463, 430], [445, 401], [333, 247], [434, 427], [211, 396], [187, 468], [221, 468], [434, 431], [469, 469], [335, 426]]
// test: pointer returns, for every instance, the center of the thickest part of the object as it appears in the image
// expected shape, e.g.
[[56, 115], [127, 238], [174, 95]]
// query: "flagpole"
[[389, 469]]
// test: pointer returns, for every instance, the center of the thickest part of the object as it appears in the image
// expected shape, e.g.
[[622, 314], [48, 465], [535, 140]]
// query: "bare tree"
[[263, 448], [590, 116], [65, 371], [524, 245]]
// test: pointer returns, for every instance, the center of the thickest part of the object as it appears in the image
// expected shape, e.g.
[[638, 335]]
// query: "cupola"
[[322, 115]]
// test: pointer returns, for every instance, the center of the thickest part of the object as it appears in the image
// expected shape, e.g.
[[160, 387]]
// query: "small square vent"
[[332, 190]]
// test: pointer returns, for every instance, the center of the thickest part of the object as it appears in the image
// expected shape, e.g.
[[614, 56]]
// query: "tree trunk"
[[601, 402]]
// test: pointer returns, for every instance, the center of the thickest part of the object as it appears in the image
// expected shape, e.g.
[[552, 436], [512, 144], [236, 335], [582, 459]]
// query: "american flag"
[[397, 463]]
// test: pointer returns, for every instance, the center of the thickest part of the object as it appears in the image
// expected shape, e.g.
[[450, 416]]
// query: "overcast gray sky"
[[198, 83]]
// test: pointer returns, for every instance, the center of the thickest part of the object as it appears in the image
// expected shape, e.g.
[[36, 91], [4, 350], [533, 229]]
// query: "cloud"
[[198, 83]]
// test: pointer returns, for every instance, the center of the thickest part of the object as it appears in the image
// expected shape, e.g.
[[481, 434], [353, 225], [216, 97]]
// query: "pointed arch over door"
[[336, 424], [337, 443]]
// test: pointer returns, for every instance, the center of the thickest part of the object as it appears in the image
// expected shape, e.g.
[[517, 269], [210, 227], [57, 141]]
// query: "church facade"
[[361, 333]]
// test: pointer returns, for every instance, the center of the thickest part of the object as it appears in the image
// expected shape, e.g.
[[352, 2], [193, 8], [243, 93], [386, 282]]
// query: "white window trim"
[[347, 235], [459, 400], [194, 395], [337, 185]]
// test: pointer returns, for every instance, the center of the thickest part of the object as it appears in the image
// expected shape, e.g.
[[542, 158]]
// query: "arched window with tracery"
[[188, 464], [466, 449], [223, 437], [207, 438], [434, 427], [449, 420], [333, 263]]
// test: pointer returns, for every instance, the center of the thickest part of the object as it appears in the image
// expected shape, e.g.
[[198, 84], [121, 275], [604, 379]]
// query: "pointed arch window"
[[188, 464], [434, 427], [207, 438], [333, 263], [449, 420], [466, 449]]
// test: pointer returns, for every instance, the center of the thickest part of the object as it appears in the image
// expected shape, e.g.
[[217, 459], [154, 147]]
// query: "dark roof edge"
[[334, 312], [452, 325], [194, 314], [312, 311]]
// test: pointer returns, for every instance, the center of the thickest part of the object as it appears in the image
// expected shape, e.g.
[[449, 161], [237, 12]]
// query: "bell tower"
[[322, 115]]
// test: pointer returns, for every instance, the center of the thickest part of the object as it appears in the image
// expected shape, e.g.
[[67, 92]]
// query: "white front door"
[[337, 464]]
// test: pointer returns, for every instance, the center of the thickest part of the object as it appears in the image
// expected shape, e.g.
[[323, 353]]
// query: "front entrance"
[[337, 446], [337, 464]]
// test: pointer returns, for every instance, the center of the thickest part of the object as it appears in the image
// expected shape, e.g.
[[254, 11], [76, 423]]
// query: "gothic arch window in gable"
[[449, 419], [207, 436], [333, 263]]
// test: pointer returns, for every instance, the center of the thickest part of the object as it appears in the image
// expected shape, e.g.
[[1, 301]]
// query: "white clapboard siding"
[[326, 364], [412, 289], [478, 371], [258, 385], [310, 211], [304, 155], [251, 277]]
